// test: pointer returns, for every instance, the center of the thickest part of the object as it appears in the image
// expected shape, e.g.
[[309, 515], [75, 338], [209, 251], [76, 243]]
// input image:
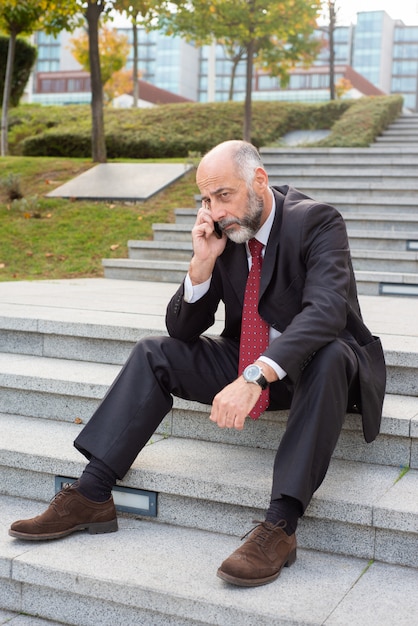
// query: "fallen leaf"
[[78, 420], [29, 253], [115, 246], [2, 266], [48, 255]]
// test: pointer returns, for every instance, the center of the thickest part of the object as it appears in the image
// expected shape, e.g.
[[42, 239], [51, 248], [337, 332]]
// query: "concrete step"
[[146, 270], [167, 250], [374, 283], [398, 139], [310, 159], [305, 174], [395, 207], [153, 575], [393, 210], [395, 224], [185, 216], [373, 239], [358, 217], [172, 232], [361, 243], [368, 238], [388, 152], [325, 189], [368, 282], [385, 261], [220, 487], [401, 131]]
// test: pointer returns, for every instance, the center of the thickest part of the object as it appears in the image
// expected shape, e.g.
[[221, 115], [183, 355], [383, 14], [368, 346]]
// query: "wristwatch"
[[254, 374]]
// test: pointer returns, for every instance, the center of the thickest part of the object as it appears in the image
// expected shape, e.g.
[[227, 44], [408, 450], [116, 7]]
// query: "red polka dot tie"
[[254, 330]]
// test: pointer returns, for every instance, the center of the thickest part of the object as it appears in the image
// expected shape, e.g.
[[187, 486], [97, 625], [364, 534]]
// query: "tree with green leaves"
[[276, 35], [23, 18], [52, 16], [113, 52]]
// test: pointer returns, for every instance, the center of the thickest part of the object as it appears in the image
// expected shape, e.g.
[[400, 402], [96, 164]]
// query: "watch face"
[[252, 372]]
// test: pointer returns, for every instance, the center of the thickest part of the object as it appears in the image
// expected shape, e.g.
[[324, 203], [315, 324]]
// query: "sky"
[[405, 10]]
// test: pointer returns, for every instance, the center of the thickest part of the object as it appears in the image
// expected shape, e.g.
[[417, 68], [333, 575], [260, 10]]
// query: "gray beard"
[[248, 225]]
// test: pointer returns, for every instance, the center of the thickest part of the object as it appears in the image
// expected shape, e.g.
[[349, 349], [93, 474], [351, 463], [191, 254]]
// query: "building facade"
[[376, 55]]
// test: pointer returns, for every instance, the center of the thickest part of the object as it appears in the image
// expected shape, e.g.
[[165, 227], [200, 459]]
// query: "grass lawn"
[[44, 238]]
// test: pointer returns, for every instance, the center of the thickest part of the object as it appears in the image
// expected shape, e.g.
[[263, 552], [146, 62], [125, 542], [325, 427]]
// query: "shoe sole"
[[255, 582], [93, 529]]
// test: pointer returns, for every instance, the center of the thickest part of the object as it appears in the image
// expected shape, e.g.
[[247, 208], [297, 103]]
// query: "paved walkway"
[[121, 181]]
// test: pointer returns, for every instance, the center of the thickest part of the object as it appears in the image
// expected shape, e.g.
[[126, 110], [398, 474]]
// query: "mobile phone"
[[217, 230]]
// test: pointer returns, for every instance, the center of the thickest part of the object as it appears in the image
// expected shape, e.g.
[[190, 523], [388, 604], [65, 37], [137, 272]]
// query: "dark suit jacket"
[[307, 292]]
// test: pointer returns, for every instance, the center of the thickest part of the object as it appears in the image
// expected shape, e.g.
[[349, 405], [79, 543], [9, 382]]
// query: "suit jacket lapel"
[[234, 258], [272, 248]]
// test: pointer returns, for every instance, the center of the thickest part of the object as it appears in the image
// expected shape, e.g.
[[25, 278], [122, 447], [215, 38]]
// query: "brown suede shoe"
[[69, 511], [261, 558]]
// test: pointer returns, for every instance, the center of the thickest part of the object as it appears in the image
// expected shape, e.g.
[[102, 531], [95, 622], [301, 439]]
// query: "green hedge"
[[176, 130], [25, 56], [363, 122]]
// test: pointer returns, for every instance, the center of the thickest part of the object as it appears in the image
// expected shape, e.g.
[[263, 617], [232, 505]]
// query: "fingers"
[[232, 405], [228, 420], [204, 223]]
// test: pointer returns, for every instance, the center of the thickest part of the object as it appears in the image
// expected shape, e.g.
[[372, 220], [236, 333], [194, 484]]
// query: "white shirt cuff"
[[193, 293], [279, 370]]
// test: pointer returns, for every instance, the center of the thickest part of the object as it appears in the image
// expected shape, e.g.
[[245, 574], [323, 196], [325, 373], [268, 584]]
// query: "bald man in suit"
[[320, 361]]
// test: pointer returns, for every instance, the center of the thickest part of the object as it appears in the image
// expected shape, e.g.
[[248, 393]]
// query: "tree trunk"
[[93, 12], [135, 65], [331, 31], [248, 92], [232, 81], [6, 93]]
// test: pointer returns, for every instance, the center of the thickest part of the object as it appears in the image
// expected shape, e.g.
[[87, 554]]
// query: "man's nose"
[[217, 211]]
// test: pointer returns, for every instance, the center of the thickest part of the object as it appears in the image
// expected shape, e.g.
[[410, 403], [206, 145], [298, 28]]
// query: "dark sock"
[[286, 509], [97, 481]]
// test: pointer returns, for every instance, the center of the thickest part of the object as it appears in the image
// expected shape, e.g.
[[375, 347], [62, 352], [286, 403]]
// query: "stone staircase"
[[375, 189], [402, 133], [62, 343]]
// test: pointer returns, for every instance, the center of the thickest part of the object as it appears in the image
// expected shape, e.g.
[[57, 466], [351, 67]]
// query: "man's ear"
[[261, 180]]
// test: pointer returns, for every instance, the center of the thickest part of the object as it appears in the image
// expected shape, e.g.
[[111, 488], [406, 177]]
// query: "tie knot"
[[255, 247]]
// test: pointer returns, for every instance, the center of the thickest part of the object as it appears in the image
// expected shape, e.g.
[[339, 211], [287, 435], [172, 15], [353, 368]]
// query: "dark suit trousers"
[[160, 367]]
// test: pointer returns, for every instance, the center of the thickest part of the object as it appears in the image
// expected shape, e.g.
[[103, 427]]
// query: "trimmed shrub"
[[364, 121], [176, 130]]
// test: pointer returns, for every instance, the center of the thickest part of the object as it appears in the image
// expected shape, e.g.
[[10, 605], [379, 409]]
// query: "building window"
[[404, 84], [406, 51], [406, 33], [405, 68]]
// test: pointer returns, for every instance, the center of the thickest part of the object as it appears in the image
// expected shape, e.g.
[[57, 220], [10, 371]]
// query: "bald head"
[[241, 156]]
